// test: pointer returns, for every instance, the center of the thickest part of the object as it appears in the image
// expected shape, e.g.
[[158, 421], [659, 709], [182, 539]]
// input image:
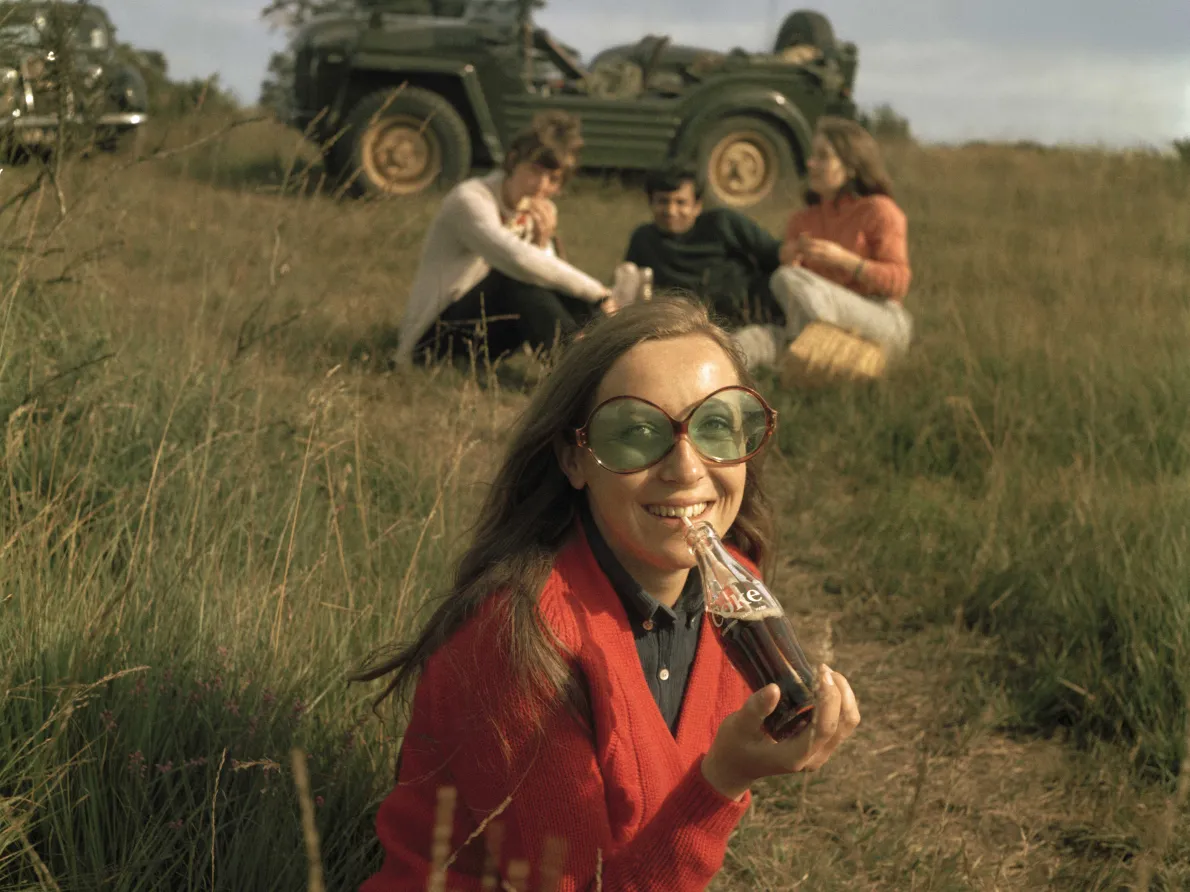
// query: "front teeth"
[[688, 511]]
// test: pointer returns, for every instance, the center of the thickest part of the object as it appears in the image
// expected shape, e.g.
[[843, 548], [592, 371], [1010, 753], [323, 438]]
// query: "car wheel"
[[402, 141], [742, 160]]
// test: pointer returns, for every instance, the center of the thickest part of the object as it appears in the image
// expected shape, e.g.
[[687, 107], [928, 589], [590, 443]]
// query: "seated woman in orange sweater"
[[569, 686], [845, 259]]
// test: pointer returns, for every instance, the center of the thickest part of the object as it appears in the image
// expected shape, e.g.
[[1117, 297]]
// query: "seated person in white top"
[[490, 279]]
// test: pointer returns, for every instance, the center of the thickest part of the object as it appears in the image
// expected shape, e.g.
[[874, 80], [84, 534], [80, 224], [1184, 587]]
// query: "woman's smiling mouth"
[[691, 511]]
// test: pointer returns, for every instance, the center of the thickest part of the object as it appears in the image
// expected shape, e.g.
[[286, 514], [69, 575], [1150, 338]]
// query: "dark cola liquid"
[[764, 650]]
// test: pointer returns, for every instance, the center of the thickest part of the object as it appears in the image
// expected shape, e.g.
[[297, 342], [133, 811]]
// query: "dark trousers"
[[740, 296], [501, 314]]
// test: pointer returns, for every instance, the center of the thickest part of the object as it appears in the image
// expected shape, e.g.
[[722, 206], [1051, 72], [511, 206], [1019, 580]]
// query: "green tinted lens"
[[626, 434], [729, 426]]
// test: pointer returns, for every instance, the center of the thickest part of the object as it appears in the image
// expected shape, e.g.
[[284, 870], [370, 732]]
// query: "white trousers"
[[808, 297]]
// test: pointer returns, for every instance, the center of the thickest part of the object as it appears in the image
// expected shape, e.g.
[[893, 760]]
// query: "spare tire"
[[805, 27]]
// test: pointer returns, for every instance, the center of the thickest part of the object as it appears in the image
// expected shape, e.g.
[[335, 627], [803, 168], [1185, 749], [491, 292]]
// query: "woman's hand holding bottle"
[[743, 752]]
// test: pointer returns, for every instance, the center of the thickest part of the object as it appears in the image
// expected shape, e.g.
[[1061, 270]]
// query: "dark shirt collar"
[[636, 600]]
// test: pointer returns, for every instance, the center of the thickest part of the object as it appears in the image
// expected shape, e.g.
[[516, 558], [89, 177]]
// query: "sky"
[[1108, 72]]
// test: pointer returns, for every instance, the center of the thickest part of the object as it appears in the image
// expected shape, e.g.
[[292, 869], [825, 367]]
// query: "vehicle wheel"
[[402, 142], [805, 27], [742, 160]]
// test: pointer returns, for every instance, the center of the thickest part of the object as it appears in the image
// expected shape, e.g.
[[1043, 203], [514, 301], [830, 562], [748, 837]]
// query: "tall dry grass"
[[218, 498]]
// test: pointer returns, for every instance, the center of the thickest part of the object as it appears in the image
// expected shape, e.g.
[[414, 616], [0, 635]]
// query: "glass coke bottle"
[[756, 634]]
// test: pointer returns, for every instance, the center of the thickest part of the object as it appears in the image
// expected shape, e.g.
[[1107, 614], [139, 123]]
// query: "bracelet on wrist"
[[859, 268]]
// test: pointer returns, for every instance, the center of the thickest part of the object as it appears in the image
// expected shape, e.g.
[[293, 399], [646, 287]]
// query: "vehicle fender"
[[754, 101], [408, 67]]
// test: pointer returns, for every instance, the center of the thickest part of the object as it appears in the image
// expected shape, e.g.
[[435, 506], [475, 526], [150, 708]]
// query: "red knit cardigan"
[[630, 797], [875, 228]]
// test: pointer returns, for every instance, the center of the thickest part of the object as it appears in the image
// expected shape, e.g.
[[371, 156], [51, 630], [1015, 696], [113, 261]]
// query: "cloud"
[[1051, 70], [958, 88], [1006, 92], [227, 37], [1151, 26]]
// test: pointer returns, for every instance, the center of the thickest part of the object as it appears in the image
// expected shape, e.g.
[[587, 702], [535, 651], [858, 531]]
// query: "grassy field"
[[217, 499]]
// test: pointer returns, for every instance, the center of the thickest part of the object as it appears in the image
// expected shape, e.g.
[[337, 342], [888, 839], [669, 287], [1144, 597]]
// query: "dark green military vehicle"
[[406, 95], [58, 65]]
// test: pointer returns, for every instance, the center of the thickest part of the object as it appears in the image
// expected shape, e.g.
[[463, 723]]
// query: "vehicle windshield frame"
[[31, 22]]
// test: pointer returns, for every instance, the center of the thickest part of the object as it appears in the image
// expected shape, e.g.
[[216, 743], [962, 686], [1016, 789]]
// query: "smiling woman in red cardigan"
[[567, 686]]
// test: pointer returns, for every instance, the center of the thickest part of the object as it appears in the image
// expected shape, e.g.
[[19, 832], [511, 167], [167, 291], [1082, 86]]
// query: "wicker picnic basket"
[[823, 354]]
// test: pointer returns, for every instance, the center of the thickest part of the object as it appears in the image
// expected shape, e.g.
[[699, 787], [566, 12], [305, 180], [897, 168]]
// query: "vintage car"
[[406, 95], [58, 67]]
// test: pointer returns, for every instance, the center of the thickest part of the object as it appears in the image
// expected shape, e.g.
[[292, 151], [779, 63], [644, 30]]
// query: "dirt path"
[[925, 798]]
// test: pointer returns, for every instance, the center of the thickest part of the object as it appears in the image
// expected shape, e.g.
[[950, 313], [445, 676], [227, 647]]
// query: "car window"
[[19, 34], [18, 29]]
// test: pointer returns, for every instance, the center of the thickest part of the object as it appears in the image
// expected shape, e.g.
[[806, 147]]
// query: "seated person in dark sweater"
[[720, 255]]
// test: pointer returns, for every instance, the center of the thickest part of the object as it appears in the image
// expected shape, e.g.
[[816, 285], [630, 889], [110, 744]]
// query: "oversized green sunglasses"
[[627, 434]]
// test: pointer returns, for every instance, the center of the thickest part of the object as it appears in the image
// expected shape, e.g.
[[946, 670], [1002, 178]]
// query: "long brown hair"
[[860, 153], [531, 507]]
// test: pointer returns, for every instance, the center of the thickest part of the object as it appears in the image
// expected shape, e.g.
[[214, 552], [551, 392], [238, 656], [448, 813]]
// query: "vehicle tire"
[[742, 160], [805, 27], [402, 141]]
